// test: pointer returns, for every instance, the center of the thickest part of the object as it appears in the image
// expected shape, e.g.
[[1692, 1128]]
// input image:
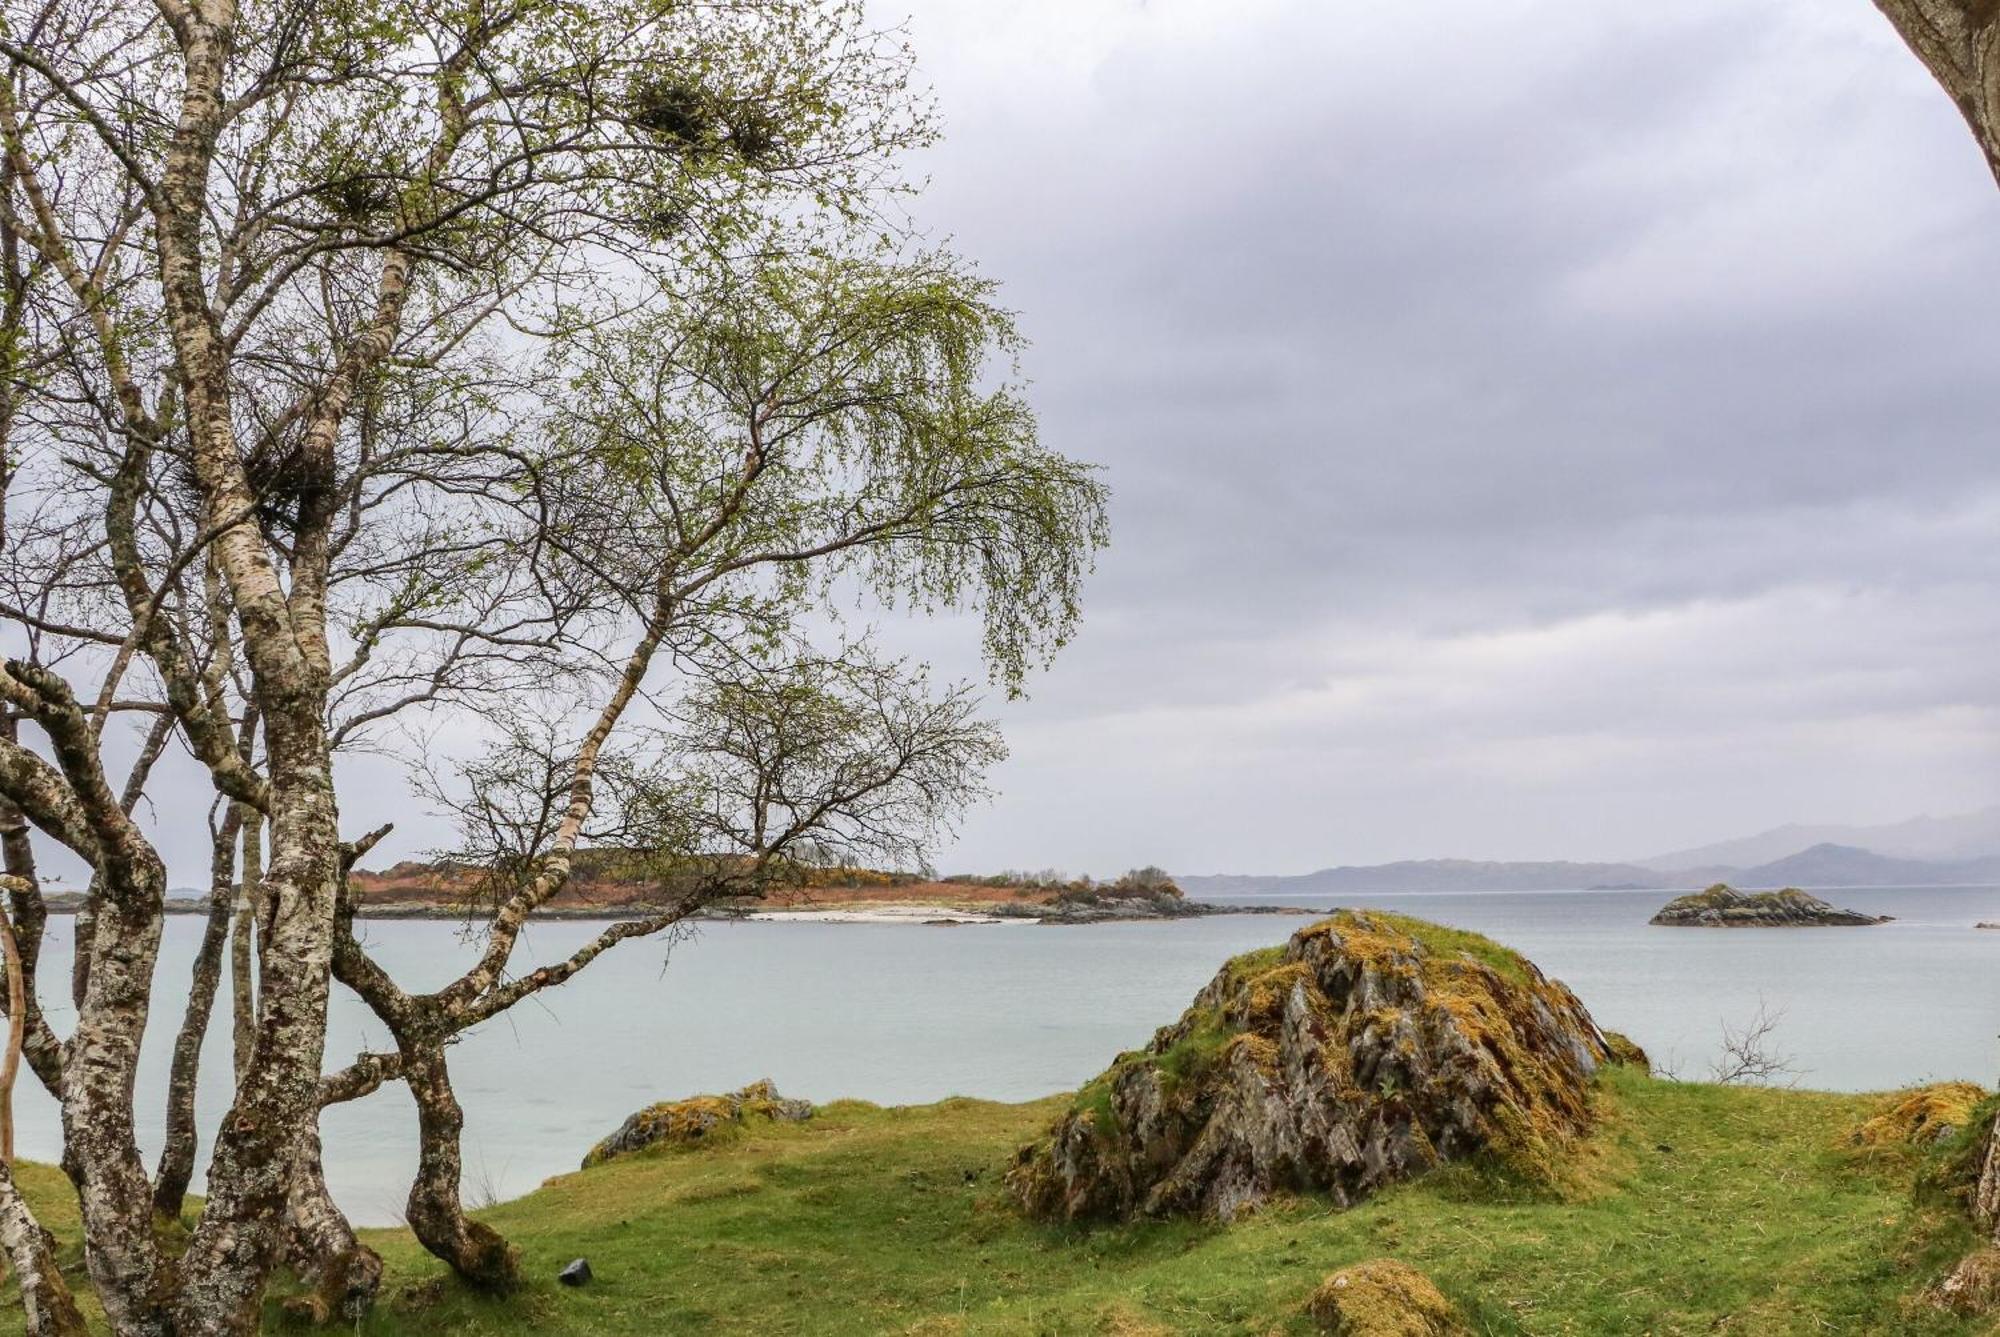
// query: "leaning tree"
[[534, 357]]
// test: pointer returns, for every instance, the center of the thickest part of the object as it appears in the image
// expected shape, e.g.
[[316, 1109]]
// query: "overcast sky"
[[1538, 429]]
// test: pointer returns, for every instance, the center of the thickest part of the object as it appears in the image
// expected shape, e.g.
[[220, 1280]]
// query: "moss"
[[1921, 1116], [1382, 1298], [1426, 1043], [696, 1121], [1951, 1167], [1626, 1051]]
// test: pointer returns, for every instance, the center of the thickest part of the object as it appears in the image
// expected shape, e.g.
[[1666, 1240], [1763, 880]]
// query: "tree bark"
[[17, 1031], [242, 947], [176, 1168], [477, 1252], [49, 1308], [1959, 42], [342, 1274], [234, 1247]]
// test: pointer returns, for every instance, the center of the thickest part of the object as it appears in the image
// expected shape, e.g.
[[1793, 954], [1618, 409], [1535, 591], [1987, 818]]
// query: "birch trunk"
[[176, 1168], [342, 1274], [235, 1246], [477, 1252], [49, 1309]]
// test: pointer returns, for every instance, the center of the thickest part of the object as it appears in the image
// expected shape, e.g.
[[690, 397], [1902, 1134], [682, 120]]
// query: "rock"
[[1382, 1298], [576, 1274], [1624, 1050], [1922, 1116], [1986, 923], [697, 1120], [1722, 906], [1972, 1287], [1367, 1049]]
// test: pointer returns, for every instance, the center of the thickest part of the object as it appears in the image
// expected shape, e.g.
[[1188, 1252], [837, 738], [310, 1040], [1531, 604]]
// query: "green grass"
[[1698, 1209]]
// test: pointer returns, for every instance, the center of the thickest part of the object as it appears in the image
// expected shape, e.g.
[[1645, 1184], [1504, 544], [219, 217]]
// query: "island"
[[1722, 906]]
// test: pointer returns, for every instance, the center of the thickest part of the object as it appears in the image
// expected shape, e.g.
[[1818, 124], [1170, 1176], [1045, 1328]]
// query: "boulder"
[[697, 1120], [1367, 1049], [1722, 906], [1922, 1116], [1382, 1298]]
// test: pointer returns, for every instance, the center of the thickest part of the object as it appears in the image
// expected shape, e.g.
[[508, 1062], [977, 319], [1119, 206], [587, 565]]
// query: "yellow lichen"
[[1382, 1298], [1919, 1117]]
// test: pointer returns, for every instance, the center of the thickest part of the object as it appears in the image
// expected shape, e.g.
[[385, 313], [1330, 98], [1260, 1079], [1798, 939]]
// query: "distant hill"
[[1831, 865], [1434, 875], [1954, 839], [1823, 865]]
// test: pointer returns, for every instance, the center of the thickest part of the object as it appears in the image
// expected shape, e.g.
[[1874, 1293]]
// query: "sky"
[[1537, 429]]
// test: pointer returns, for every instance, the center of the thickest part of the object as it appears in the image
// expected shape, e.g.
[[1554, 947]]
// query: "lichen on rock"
[[1367, 1049], [698, 1120], [1382, 1298], [1922, 1116]]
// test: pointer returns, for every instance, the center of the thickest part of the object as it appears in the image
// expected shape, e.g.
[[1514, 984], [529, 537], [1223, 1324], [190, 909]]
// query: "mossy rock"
[[1624, 1050], [1382, 1298], [698, 1121], [1369, 1048], [1923, 1116], [1972, 1288]]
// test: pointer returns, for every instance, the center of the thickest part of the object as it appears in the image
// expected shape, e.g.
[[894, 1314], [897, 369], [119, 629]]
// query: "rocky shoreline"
[[832, 911]]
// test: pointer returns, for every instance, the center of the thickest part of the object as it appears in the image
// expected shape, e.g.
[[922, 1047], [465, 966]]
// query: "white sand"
[[888, 914]]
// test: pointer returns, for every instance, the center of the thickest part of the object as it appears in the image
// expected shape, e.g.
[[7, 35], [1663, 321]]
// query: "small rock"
[[692, 1121], [1382, 1298], [576, 1274]]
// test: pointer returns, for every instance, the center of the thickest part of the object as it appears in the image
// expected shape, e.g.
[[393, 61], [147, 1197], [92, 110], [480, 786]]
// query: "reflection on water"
[[899, 1014]]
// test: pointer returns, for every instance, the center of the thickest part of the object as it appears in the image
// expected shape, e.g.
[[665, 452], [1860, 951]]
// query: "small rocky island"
[[1722, 906]]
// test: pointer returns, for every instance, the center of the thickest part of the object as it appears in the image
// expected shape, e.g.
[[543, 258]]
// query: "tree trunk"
[[113, 1189], [170, 1182], [1959, 41], [235, 1246], [49, 1308], [343, 1273], [242, 947], [475, 1251], [17, 1031]]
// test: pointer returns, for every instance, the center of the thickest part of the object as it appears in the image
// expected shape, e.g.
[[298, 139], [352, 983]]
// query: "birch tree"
[[266, 266]]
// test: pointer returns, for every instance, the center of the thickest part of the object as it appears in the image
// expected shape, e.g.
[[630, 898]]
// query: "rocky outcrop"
[[1367, 1049], [1722, 906], [1382, 1298], [1923, 1116], [698, 1120]]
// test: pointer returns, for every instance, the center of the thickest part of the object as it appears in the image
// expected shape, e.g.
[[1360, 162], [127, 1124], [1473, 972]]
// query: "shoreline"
[[921, 913]]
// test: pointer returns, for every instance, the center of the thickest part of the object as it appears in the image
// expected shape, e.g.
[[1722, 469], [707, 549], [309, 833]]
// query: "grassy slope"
[[1702, 1209]]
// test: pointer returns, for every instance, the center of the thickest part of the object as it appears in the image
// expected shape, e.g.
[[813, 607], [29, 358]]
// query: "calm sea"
[[900, 1014]]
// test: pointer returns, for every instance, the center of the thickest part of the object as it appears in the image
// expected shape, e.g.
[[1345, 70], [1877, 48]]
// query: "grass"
[[1701, 1209]]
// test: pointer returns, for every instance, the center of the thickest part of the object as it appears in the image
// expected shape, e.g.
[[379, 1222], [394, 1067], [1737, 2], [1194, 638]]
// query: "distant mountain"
[[1825, 864], [1956, 839], [1831, 865], [1433, 875]]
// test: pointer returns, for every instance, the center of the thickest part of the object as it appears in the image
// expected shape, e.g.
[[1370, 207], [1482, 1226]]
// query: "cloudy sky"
[[1538, 429]]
